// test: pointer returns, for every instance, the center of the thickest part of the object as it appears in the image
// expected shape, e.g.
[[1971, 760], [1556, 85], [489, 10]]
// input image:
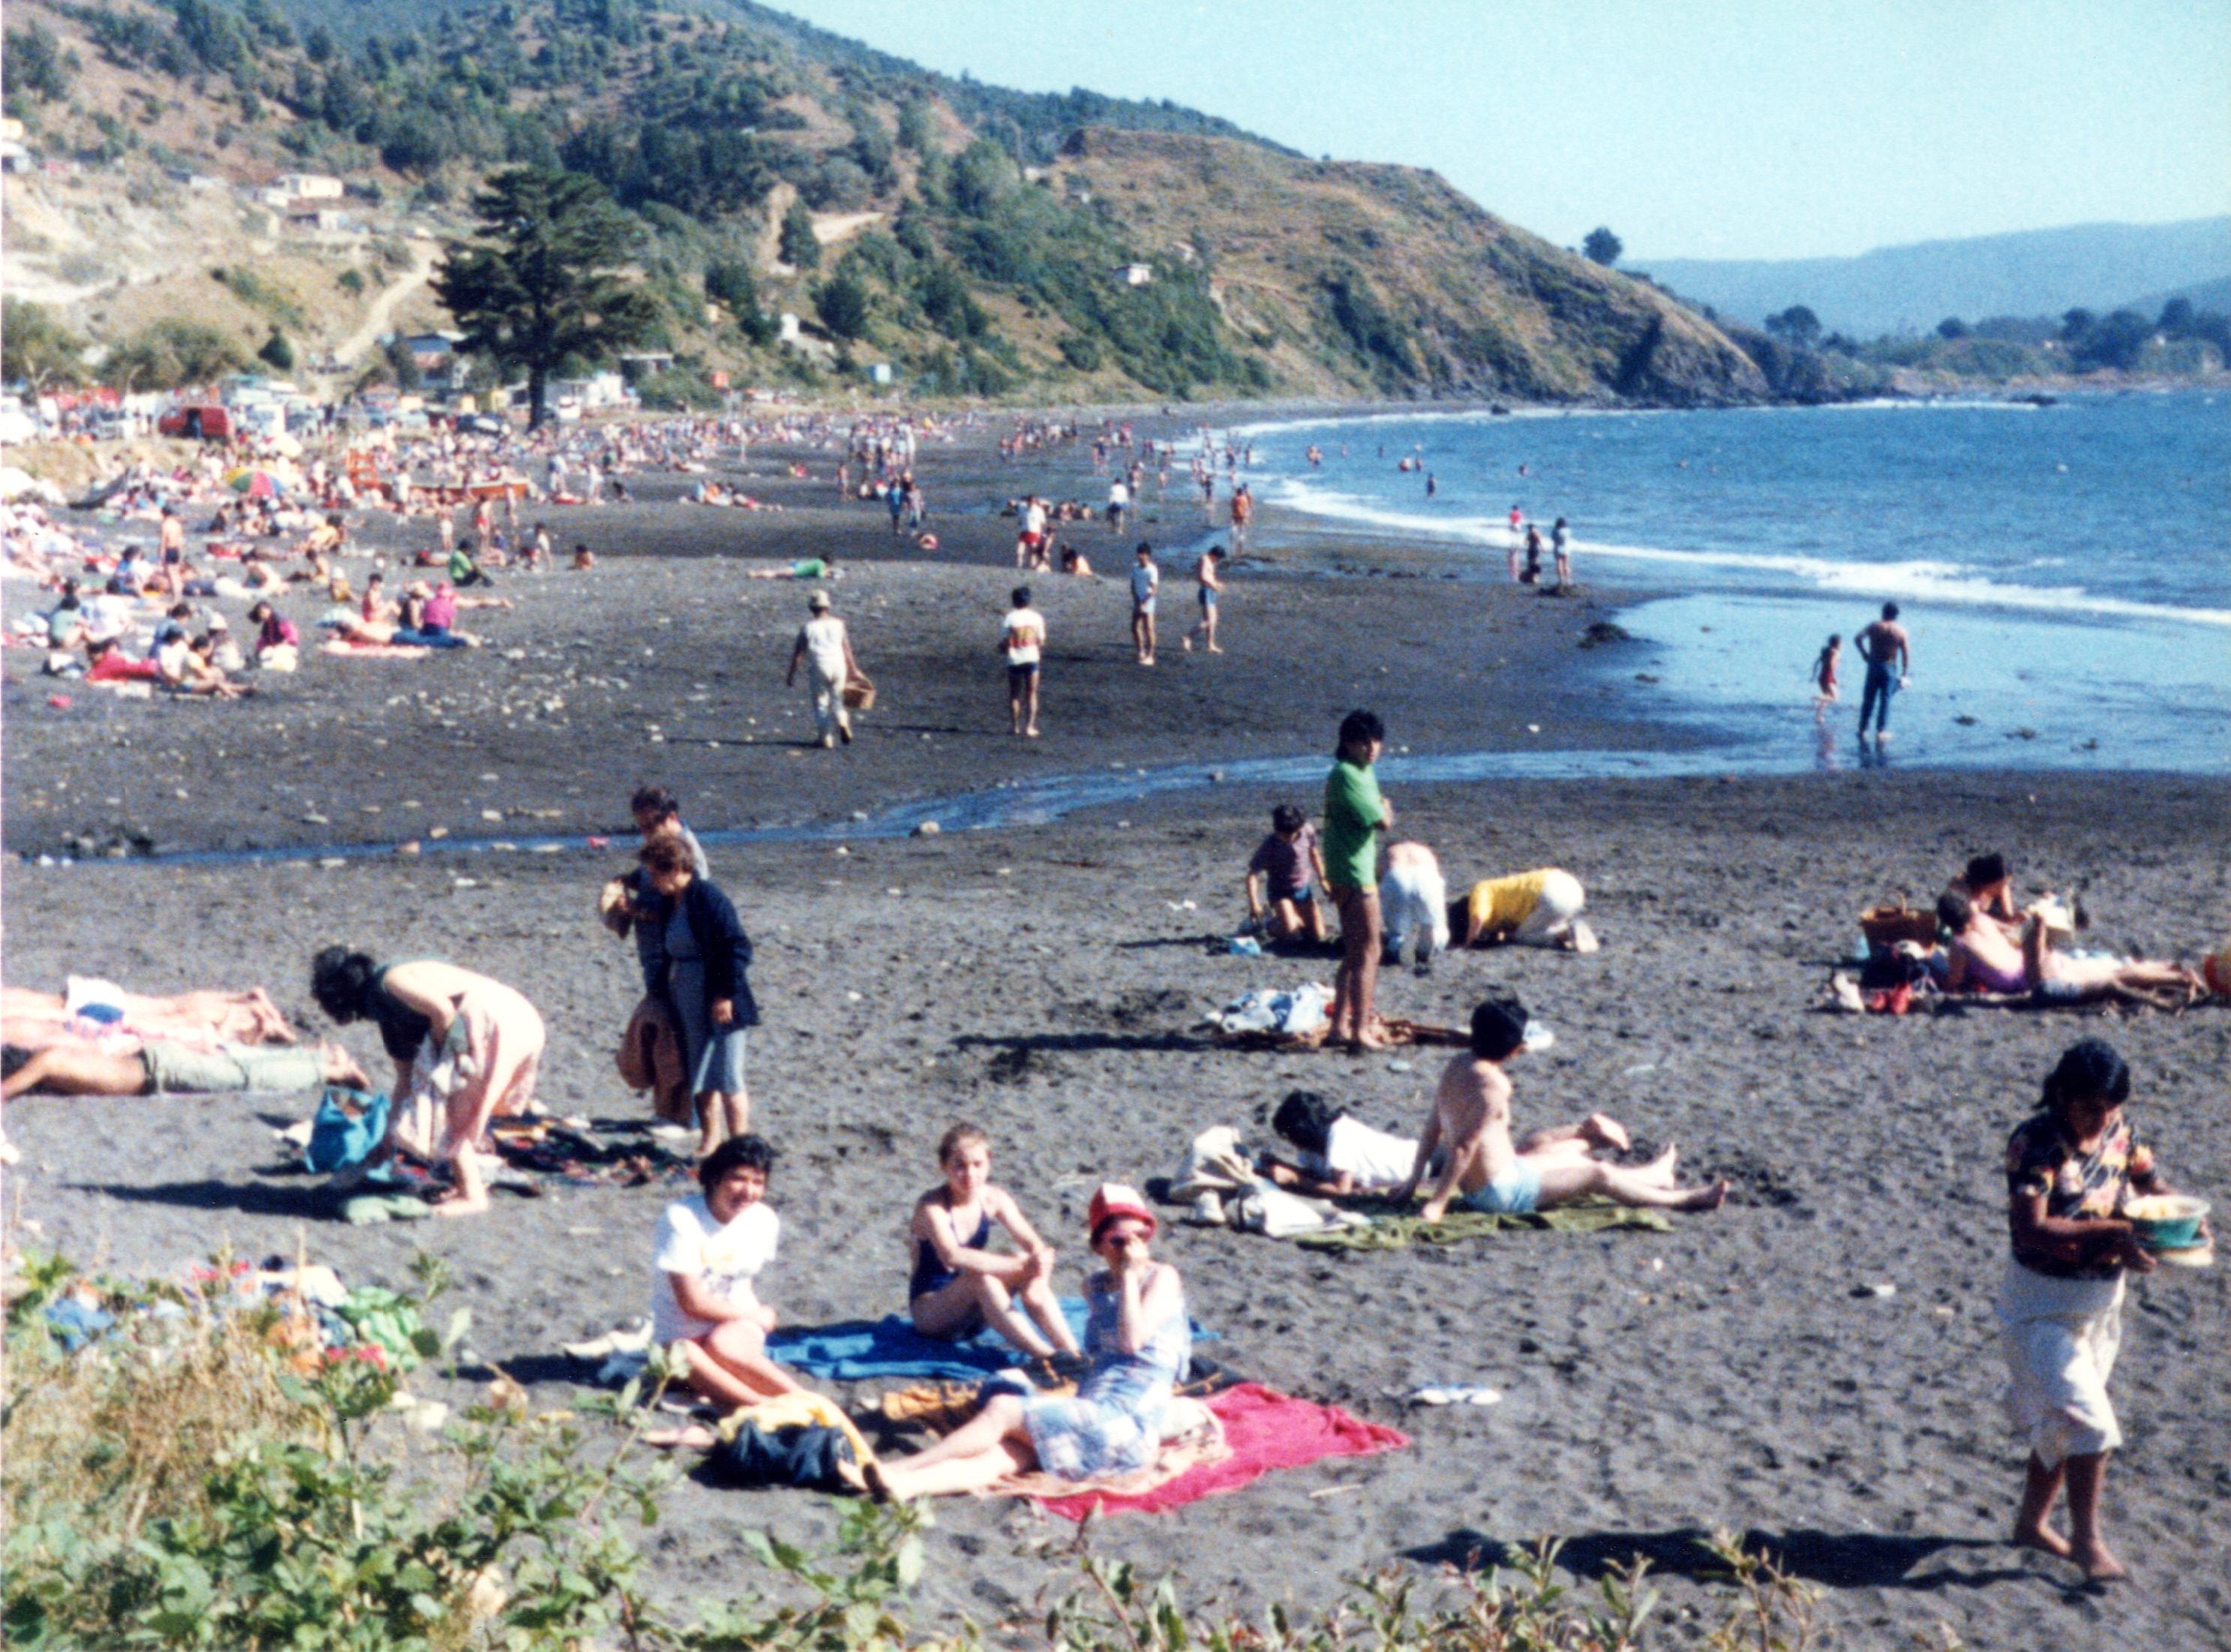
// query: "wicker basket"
[[1886, 926], [859, 693]]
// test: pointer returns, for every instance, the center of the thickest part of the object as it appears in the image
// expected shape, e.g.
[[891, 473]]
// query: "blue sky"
[[1746, 128]]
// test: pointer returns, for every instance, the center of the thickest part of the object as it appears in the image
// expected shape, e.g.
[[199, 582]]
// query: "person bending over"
[[163, 1068], [1482, 1169], [710, 1248], [1138, 1342], [1284, 877], [1539, 908], [483, 1040], [958, 1282], [1414, 904]]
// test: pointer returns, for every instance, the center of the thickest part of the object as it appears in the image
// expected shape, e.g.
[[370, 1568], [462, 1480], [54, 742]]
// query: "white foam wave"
[[1481, 415], [1934, 582]]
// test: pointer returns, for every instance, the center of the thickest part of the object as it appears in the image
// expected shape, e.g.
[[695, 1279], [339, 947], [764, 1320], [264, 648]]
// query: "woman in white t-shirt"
[[710, 1249]]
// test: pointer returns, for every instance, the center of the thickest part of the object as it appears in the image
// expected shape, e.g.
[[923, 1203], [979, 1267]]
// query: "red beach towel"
[[1265, 1430]]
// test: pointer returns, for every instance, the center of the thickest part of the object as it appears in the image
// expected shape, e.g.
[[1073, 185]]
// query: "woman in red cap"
[[1137, 1339]]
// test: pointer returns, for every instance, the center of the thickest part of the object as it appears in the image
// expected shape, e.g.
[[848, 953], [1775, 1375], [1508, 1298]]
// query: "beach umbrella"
[[257, 485], [286, 446]]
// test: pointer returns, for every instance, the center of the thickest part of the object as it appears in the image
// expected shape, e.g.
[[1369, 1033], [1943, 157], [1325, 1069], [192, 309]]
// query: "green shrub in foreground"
[[200, 1478]]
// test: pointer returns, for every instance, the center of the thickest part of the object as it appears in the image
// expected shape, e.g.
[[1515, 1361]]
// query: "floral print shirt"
[[2076, 1186]]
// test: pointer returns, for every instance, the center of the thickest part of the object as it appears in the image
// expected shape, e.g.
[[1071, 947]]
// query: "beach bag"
[[341, 1139], [803, 1454], [1886, 926], [859, 692]]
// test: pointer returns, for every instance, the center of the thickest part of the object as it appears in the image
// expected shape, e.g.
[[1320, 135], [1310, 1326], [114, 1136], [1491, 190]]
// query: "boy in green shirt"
[[1355, 815]]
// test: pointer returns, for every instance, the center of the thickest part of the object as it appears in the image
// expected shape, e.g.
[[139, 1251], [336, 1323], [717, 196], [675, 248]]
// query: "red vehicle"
[[207, 422]]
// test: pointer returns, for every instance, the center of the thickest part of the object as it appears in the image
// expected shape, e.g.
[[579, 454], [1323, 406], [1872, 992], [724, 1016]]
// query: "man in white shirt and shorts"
[[1022, 637]]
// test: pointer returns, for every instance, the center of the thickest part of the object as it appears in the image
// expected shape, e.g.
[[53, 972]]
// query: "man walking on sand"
[[1021, 638], [1355, 816], [1882, 645], [825, 648], [1482, 1168], [1145, 586]]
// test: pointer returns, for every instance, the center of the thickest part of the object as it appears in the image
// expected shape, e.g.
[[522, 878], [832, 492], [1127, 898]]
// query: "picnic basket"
[[859, 692], [1886, 926]]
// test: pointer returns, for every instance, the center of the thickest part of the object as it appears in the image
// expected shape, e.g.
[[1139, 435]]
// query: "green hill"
[[978, 240]]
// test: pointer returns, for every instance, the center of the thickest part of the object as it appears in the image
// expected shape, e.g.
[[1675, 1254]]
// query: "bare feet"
[[1660, 1169], [2043, 1538], [855, 1477], [878, 1487], [1710, 1198], [457, 1204], [691, 1435], [2099, 1564]]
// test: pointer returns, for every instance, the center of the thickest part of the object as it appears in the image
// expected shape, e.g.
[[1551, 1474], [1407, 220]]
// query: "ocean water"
[[2065, 572]]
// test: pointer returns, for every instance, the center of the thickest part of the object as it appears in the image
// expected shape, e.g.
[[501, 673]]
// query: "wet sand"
[[1045, 981]]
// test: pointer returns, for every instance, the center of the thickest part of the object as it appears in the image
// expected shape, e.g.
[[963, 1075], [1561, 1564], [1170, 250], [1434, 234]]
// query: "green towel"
[[1398, 1233], [365, 1208]]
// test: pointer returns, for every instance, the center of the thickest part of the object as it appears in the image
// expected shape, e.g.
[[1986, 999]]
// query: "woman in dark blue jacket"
[[707, 957]]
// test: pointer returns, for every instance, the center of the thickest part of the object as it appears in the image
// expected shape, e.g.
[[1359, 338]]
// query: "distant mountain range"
[[2036, 272]]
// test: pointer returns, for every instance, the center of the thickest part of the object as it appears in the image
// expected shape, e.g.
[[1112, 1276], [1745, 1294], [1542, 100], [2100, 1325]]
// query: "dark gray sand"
[[1045, 981]]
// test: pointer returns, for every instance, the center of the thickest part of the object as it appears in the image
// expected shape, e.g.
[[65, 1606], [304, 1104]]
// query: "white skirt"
[[2060, 1338]]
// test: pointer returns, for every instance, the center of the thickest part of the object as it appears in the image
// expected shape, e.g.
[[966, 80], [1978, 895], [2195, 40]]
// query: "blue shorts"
[[1515, 1192]]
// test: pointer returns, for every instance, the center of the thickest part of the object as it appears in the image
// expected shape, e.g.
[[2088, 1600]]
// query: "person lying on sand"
[[1334, 1154], [1483, 1170], [811, 567], [710, 1248], [1283, 875], [1539, 908], [959, 1282], [245, 1017], [484, 1039], [1982, 959], [2071, 1169], [1138, 1341], [164, 1068]]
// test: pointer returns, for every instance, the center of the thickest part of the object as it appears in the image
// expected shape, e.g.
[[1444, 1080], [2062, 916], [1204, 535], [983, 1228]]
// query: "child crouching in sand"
[[2071, 1169], [960, 1282], [710, 1248]]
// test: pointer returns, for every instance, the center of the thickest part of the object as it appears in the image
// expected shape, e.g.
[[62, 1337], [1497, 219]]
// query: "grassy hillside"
[[974, 238]]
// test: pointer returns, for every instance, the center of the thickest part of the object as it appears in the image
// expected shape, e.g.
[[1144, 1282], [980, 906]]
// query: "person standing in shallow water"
[[1883, 644]]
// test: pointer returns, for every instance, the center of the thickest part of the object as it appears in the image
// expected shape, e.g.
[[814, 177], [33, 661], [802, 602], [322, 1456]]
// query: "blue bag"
[[339, 1138]]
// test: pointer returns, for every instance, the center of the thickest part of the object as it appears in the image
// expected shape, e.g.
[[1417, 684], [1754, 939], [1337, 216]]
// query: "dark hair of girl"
[[342, 982], [2087, 1070]]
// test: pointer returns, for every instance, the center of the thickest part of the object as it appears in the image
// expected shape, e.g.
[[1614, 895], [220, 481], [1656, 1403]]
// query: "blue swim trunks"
[[1515, 1192]]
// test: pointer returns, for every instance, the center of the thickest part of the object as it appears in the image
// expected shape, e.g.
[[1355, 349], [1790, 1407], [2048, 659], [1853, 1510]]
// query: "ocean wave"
[[1259, 428], [1934, 582]]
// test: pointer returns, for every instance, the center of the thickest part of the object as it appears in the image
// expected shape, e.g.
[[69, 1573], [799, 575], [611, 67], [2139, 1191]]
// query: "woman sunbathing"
[[163, 1068], [1138, 1339], [248, 1017], [1984, 960], [960, 1282]]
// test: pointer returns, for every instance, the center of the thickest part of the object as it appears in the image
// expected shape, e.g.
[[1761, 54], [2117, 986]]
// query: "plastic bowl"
[[2166, 1221]]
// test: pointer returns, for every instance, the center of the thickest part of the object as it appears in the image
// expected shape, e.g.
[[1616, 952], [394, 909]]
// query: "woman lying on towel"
[[247, 1017], [1137, 1339], [1984, 960]]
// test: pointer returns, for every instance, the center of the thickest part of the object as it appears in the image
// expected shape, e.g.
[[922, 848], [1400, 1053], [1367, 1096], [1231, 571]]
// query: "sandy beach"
[[1047, 981]]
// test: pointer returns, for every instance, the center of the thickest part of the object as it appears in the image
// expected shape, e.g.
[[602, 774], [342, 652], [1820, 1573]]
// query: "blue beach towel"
[[891, 1349]]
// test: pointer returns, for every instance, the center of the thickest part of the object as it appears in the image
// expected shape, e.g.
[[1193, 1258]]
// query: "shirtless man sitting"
[[1483, 1170]]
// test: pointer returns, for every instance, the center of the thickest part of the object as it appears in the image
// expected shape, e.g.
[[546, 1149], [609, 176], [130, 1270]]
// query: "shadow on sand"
[[1836, 1559]]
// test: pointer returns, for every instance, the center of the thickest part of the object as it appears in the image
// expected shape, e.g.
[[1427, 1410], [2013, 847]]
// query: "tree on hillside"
[[541, 283], [916, 130], [843, 302], [34, 347], [1951, 327], [2075, 323], [36, 67], [800, 248], [1602, 246], [2176, 317], [277, 352], [171, 354], [1797, 326]]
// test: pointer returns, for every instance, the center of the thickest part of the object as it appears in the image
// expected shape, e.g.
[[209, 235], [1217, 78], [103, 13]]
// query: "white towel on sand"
[[2061, 1336]]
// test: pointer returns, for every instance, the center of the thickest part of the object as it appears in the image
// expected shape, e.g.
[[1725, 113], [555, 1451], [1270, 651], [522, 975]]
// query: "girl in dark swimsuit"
[[959, 1282]]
